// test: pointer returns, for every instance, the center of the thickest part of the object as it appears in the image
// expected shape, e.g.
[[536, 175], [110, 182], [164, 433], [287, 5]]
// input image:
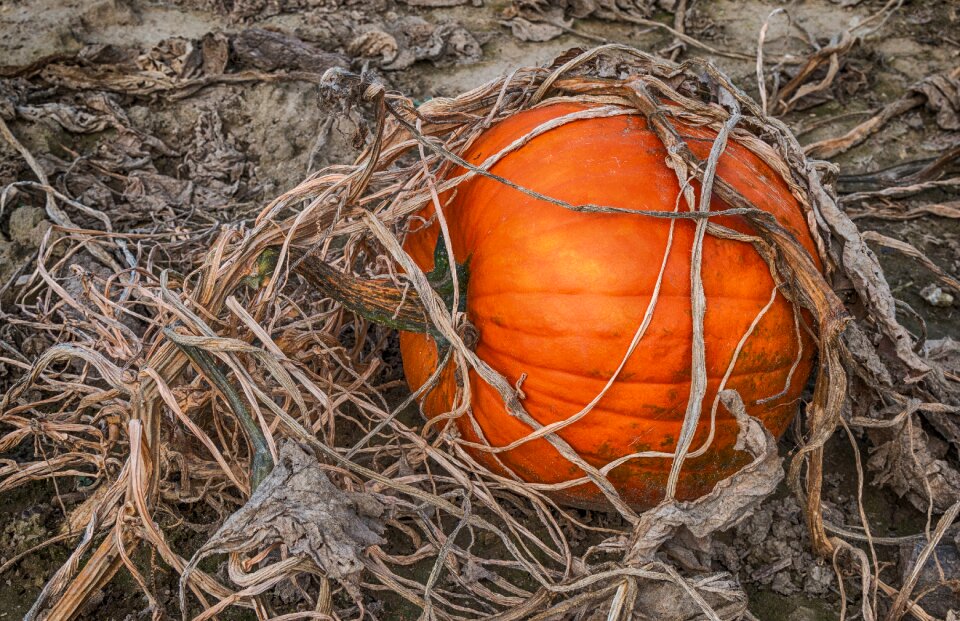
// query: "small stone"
[[802, 613], [783, 585], [819, 579], [27, 226], [935, 296]]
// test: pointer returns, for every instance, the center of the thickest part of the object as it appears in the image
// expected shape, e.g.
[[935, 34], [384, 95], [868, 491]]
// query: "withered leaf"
[[296, 505], [943, 96]]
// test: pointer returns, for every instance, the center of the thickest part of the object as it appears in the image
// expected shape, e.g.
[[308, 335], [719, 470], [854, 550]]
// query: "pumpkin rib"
[[780, 358], [596, 333], [604, 294], [635, 415], [719, 218], [645, 382], [547, 401]]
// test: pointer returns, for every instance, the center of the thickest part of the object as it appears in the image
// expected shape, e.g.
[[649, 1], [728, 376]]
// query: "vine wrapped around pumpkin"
[[580, 215]]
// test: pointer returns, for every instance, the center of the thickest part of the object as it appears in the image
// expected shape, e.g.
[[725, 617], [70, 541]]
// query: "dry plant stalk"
[[242, 357]]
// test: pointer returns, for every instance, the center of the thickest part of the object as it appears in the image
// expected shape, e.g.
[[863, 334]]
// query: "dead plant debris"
[[126, 227]]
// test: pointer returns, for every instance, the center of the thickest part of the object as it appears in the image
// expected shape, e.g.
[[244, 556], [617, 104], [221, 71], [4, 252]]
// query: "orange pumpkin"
[[558, 295]]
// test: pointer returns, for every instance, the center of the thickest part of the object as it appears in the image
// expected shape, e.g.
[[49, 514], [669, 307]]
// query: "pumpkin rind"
[[558, 295]]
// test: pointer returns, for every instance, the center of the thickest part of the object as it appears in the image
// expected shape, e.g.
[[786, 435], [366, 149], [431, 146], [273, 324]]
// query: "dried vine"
[[244, 360]]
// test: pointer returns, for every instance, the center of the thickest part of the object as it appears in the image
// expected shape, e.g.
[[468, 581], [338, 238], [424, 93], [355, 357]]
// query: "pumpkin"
[[557, 295]]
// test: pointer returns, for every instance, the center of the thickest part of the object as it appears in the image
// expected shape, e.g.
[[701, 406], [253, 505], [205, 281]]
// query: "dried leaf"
[[271, 51], [525, 30], [943, 96], [70, 118], [731, 501], [374, 43], [296, 505], [215, 50], [945, 351], [909, 251], [444, 43], [913, 463], [668, 600]]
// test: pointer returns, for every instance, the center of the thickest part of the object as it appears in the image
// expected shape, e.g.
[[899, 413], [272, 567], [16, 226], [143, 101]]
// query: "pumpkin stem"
[[382, 302]]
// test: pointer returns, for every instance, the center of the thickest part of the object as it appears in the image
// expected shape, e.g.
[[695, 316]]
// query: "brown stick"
[[834, 146], [379, 301]]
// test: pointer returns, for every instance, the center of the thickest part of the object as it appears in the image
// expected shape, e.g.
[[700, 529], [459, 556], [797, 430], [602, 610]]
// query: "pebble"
[[935, 296], [802, 613]]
